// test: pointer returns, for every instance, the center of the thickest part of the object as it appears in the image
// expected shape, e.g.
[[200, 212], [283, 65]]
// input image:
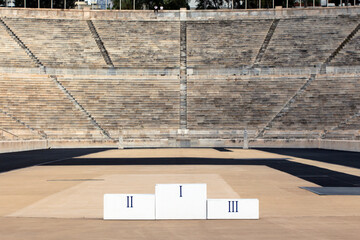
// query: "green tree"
[[176, 4], [125, 4], [240, 4], [2, 2], [209, 4], [149, 4], [45, 3]]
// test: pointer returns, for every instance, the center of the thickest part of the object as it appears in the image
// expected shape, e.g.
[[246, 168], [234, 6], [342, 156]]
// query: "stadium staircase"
[[100, 44], [266, 42], [183, 77]]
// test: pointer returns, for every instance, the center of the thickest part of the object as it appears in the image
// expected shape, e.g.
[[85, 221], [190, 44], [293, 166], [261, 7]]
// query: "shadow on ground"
[[16, 160], [344, 158], [319, 176]]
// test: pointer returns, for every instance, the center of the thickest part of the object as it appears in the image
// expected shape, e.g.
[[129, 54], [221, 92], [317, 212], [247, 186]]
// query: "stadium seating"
[[36, 101], [225, 44], [10, 129], [305, 42], [234, 102], [352, 124], [350, 54], [181, 81], [347, 130], [328, 101], [58, 43], [128, 102], [11, 54], [141, 44]]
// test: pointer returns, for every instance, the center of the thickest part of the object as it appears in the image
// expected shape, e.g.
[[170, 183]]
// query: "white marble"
[[232, 209], [180, 201], [129, 207]]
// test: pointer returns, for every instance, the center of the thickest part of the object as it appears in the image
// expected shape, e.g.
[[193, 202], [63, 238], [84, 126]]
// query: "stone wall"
[[167, 15], [17, 146]]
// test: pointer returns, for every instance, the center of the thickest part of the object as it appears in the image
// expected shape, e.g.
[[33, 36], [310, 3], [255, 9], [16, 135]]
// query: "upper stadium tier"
[[266, 39]]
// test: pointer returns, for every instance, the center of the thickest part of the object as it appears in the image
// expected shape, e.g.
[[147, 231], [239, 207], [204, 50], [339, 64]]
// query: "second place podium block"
[[129, 206]]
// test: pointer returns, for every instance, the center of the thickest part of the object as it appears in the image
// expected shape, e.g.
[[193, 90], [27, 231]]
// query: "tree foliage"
[[45, 3], [176, 4], [240, 4], [149, 4], [209, 4]]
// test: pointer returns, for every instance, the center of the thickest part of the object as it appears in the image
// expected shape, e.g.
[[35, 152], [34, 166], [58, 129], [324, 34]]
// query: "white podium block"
[[232, 209], [129, 206], [180, 201]]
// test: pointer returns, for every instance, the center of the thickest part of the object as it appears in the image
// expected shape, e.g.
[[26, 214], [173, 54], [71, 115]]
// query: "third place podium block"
[[233, 209], [180, 201], [129, 206]]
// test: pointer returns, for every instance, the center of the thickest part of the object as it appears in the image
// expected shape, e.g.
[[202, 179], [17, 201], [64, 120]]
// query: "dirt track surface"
[[62, 199]]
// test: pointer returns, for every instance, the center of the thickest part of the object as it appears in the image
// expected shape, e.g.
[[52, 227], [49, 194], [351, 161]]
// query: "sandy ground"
[[65, 202]]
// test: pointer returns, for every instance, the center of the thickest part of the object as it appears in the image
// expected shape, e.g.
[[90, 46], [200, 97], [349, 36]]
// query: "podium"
[[177, 201]]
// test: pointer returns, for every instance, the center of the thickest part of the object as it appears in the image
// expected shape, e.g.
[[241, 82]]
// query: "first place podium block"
[[129, 207], [233, 209], [180, 201]]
